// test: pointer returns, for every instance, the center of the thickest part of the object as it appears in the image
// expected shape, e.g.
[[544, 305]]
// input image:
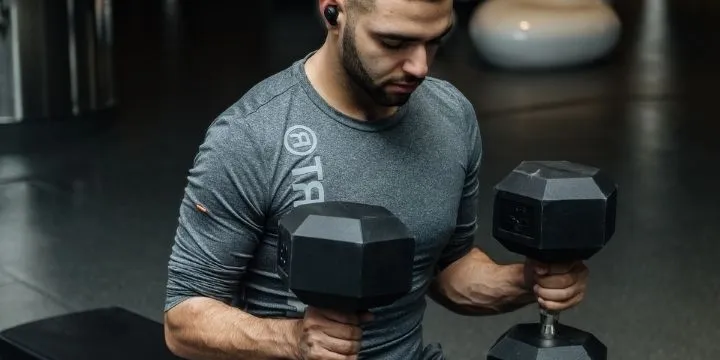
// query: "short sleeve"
[[463, 237], [221, 215]]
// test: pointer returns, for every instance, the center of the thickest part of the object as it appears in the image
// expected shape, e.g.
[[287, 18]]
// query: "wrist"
[[285, 342], [268, 338], [292, 339], [519, 276], [519, 282]]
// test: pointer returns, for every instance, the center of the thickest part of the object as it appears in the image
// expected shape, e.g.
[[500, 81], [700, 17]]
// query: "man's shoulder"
[[255, 121], [268, 96], [443, 89], [439, 95], [439, 92]]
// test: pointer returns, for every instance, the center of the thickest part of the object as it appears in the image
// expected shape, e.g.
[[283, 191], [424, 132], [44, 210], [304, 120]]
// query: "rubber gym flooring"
[[88, 208]]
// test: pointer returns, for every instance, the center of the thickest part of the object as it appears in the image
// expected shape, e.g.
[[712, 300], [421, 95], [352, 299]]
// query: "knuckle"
[[316, 351], [309, 322], [351, 347], [307, 326], [309, 329], [312, 340], [355, 333]]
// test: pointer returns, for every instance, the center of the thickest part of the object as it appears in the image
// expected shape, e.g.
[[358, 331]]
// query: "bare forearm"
[[476, 285], [207, 329]]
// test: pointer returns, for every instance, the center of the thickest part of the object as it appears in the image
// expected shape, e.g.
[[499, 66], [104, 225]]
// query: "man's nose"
[[417, 64]]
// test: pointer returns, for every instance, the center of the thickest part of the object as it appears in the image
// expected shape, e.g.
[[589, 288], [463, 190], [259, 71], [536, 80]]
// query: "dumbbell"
[[553, 212], [345, 256]]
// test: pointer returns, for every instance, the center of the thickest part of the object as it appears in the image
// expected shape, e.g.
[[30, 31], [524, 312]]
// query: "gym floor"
[[88, 208]]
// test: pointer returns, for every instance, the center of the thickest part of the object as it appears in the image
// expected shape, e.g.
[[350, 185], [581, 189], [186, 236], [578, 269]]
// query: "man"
[[357, 120]]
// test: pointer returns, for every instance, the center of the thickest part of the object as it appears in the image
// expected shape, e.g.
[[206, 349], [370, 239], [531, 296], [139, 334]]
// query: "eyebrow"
[[401, 37]]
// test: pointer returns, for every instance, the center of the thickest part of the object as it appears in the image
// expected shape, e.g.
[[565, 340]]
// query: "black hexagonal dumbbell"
[[553, 212], [345, 256]]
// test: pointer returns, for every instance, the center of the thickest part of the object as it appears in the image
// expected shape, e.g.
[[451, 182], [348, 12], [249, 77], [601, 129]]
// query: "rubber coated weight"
[[553, 212], [522, 342], [345, 256]]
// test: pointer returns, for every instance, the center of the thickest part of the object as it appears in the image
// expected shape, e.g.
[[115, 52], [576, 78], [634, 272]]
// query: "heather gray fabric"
[[281, 145]]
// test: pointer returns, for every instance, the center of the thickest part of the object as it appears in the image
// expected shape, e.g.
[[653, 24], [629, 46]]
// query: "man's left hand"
[[557, 286]]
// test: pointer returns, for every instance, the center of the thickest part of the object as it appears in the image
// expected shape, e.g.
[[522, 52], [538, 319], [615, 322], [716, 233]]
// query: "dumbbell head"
[[554, 211], [345, 256], [522, 342]]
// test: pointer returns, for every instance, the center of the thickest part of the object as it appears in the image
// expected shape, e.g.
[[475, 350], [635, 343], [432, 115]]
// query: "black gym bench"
[[100, 334]]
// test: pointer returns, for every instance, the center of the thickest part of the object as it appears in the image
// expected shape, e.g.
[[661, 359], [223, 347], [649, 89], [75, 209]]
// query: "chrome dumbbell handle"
[[548, 323]]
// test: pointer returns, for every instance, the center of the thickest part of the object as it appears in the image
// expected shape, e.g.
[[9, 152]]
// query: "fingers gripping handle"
[[548, 321]]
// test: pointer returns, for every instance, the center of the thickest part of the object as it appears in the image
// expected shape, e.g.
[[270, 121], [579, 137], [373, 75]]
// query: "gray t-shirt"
[[282, 145]]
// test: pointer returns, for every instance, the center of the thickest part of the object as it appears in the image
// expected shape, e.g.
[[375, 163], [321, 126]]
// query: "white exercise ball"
[[544, 33]]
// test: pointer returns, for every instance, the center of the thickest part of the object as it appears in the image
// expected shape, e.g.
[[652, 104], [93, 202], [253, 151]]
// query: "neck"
[[327, 75]]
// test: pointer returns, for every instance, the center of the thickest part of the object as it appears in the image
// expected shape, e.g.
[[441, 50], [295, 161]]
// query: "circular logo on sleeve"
[[300, 140]]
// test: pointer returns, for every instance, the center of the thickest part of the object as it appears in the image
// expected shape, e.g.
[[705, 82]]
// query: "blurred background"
[[100, 123]]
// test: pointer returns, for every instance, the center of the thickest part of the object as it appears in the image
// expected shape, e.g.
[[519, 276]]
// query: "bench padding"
[[101, 334]]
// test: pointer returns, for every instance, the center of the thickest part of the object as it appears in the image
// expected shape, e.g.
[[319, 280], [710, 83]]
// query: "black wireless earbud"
[[331, 14]]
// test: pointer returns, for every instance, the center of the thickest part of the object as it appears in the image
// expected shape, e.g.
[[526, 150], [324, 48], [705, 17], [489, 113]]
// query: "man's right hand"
[[329, 335]]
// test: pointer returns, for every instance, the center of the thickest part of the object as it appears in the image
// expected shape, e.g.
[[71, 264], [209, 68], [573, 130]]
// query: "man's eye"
[[392, 44]]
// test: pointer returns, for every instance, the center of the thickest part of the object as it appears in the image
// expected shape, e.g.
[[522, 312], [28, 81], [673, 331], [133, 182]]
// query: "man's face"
[[388, 52]]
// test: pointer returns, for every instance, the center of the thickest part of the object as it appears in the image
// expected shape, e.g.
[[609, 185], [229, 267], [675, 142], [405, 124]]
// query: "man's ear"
[[332, 12]]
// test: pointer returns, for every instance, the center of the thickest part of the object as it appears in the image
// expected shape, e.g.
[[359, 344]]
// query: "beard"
[[361, 77]]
